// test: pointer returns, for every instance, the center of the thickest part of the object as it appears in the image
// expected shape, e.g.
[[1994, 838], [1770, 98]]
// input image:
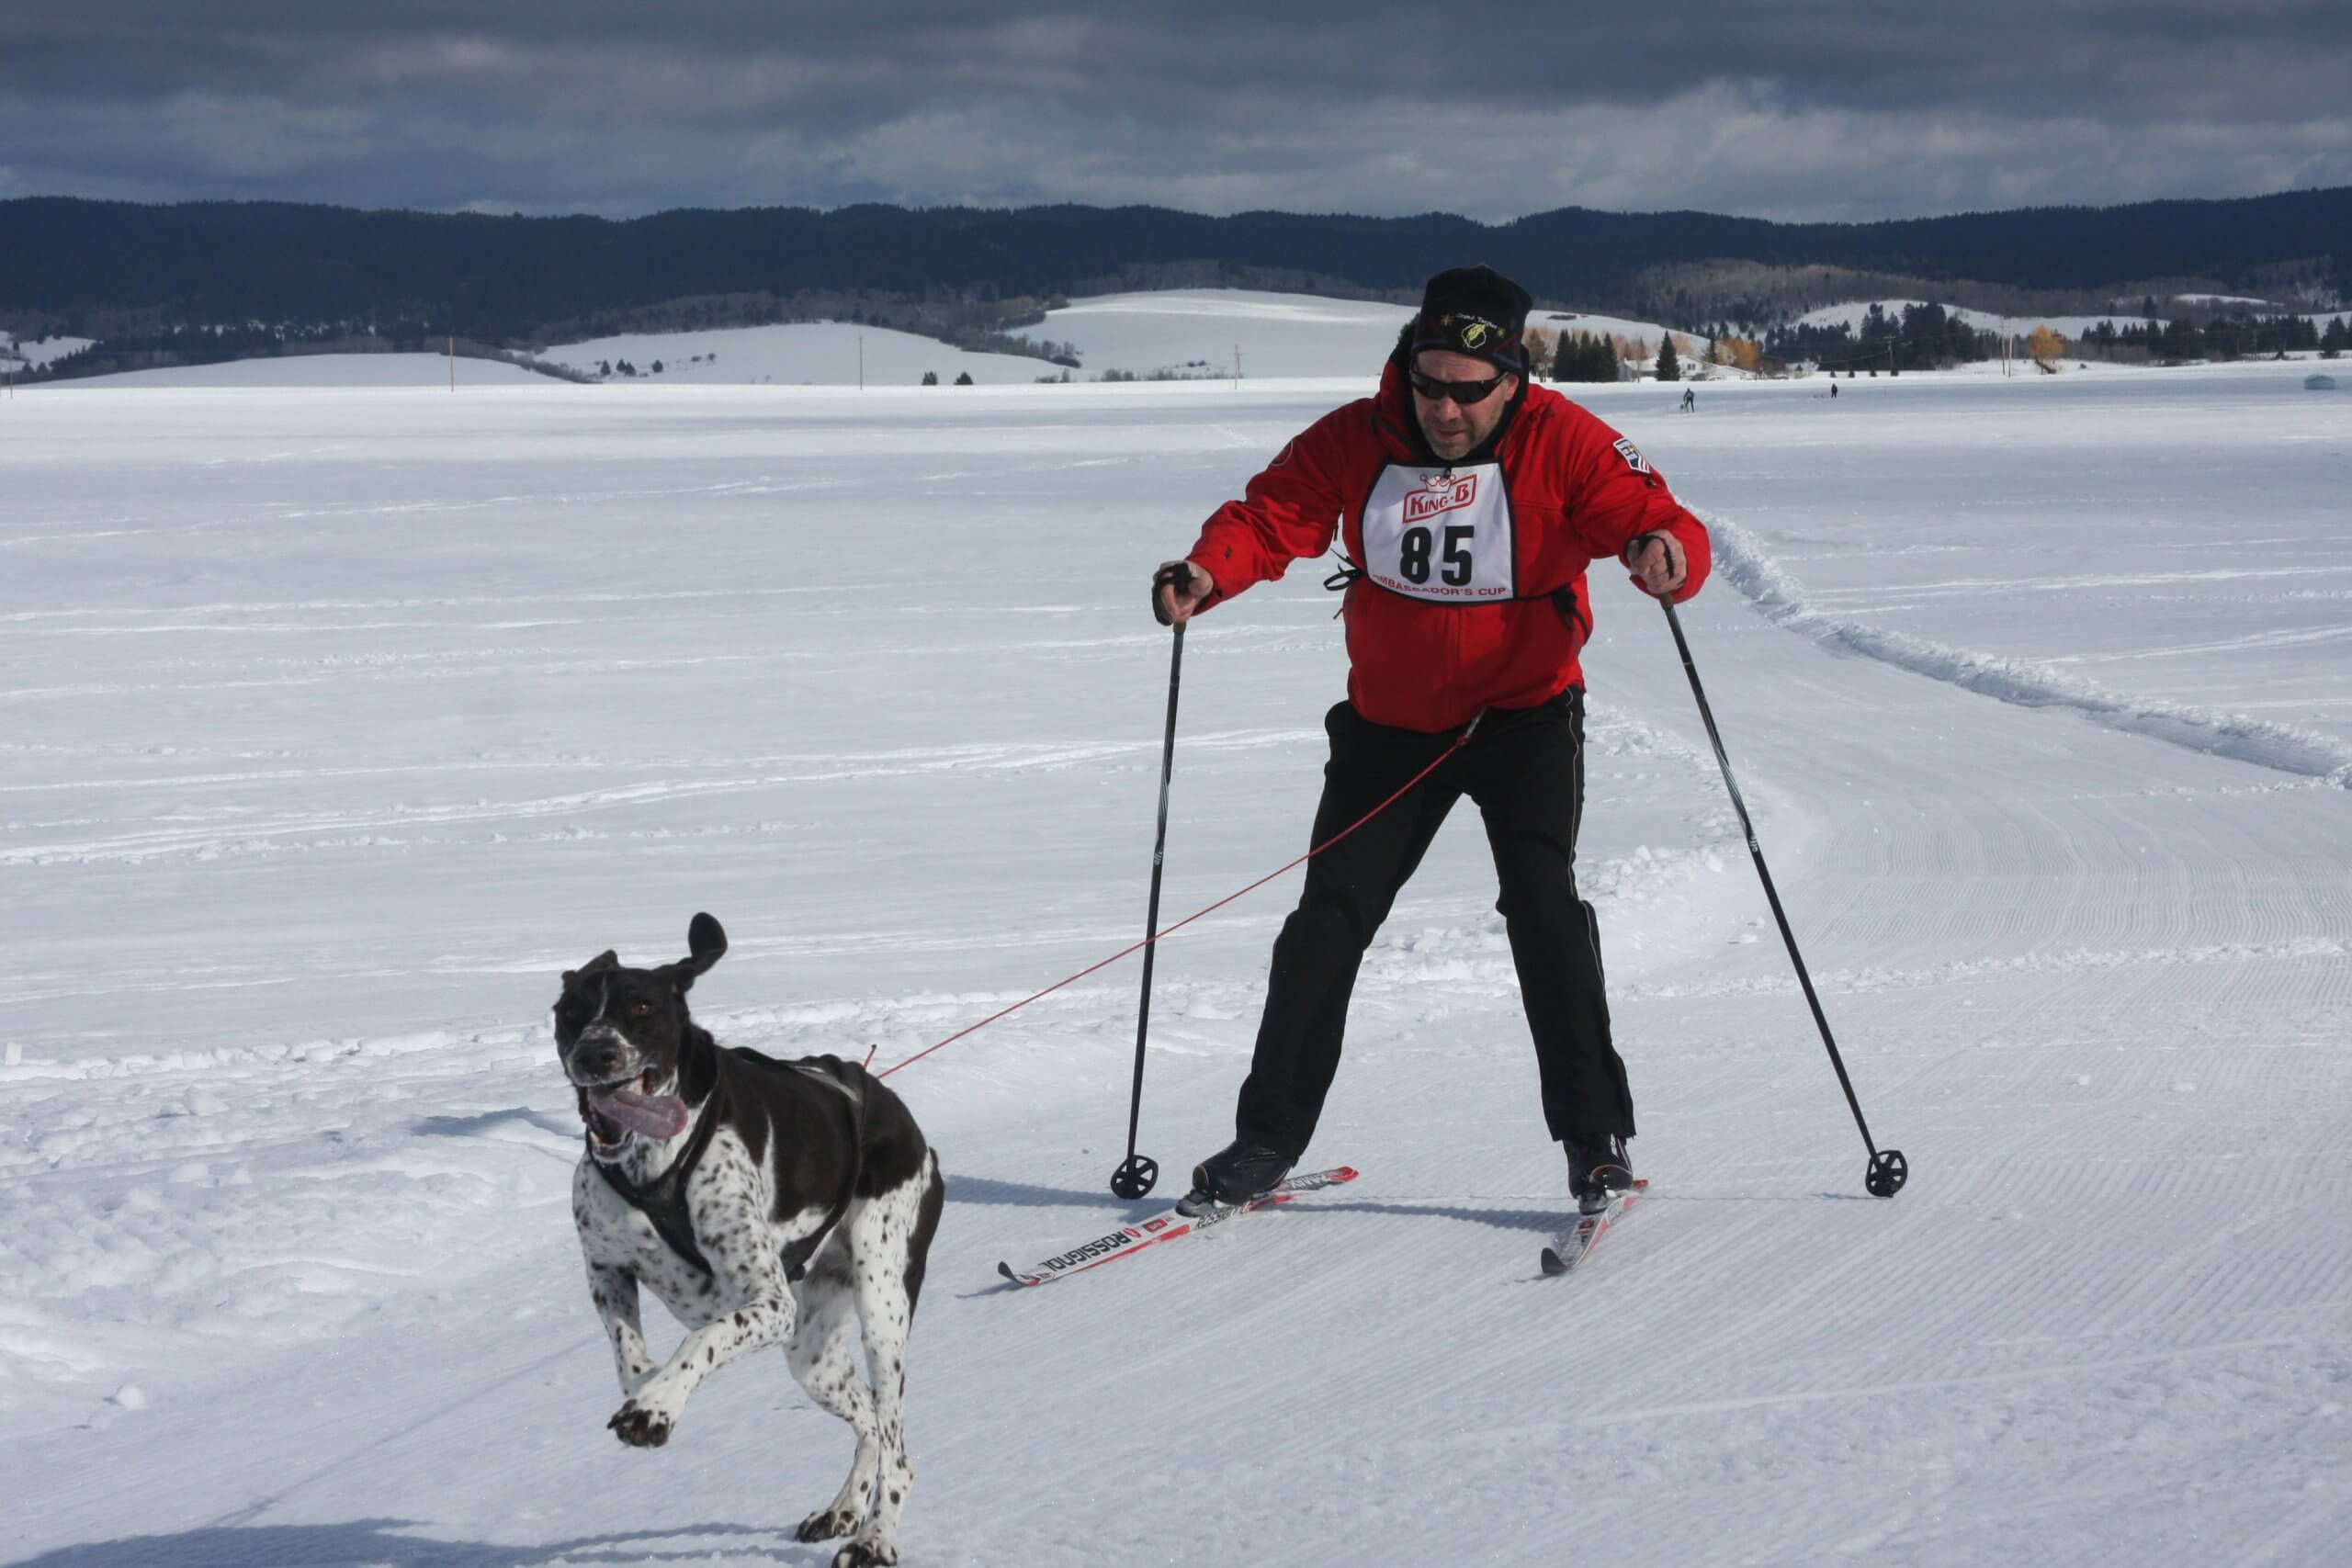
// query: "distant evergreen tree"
[[1669, 368], [931, 377], [1585, 357], [964, 378], [1603, 361]]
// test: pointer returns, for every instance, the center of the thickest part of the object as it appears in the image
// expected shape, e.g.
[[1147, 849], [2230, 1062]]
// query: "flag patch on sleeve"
[[1633, 459]]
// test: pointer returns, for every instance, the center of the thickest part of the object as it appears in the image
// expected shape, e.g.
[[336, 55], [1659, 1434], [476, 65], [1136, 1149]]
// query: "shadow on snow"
[[377, 1541]]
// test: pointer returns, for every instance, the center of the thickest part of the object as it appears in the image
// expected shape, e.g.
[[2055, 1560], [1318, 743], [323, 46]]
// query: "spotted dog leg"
[[615, 1294], [652, 1412], [888, 1241], [824, 1363]]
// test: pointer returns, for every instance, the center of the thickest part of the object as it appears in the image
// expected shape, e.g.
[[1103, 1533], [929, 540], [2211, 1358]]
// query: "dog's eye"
[[640, 1009]]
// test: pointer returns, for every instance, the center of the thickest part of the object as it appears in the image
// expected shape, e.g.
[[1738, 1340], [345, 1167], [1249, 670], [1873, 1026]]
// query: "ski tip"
[[1345, 1173], [1554, 1263], [1006, 1269]]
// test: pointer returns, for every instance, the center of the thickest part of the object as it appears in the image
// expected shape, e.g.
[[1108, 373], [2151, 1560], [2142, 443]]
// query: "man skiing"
[[1467, 502]]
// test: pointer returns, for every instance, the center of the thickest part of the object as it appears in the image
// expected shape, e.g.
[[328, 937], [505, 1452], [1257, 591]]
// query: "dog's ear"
[[706, 945], [606, 960]]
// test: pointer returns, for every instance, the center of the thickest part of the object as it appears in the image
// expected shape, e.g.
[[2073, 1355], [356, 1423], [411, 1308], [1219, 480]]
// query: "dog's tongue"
[[654, 1115]]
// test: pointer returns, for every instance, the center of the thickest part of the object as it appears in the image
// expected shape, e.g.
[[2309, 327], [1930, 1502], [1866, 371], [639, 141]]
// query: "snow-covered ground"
[[1192, 334], [1197, 332], [38, 352], [1853, 312], [1184, 333], [798, 353], [338, 722], [315, 370]]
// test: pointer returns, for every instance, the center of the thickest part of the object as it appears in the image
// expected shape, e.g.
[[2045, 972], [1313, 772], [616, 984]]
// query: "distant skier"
[[1467, 504], [1689, 399], [1833, 388]]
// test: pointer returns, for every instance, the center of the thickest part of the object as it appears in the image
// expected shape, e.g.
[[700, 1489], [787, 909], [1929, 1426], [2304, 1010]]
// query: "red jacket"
[[1473, 586]]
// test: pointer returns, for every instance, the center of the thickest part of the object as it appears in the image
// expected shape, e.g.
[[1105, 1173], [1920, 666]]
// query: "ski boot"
[[1599, 1169], [1238, 1172]]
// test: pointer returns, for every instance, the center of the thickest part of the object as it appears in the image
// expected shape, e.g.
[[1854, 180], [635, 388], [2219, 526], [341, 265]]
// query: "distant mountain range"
[[115, 270]]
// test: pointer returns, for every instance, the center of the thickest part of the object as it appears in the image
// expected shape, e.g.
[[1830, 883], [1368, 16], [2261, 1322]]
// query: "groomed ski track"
[[2092, 980]]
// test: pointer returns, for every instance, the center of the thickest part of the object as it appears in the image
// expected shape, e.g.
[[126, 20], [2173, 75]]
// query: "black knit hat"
[[1475, 311]]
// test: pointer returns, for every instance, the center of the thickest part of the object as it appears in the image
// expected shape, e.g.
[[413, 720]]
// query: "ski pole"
[[1136, 1174], [1888, 1170]]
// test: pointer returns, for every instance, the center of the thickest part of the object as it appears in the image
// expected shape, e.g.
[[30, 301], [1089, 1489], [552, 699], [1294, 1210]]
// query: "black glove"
[[1175, 574]]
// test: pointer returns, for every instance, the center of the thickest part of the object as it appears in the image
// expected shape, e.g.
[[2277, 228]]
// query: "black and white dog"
[[763, 1202]]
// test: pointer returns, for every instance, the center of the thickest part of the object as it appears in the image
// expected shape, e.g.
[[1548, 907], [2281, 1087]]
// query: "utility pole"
[[453, 362], [861, 362], [1237, 367]]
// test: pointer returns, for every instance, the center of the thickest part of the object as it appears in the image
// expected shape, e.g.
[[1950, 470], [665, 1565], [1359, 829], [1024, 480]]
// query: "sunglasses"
[[1464, 393]]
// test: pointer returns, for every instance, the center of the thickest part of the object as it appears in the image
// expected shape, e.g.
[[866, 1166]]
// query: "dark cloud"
[[1845, 109]]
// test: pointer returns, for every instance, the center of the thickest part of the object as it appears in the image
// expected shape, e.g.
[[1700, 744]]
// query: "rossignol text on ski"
[[1166, 1226]]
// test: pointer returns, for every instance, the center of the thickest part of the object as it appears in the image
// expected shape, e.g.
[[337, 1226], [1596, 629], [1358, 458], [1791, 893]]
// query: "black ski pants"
[[1525, 769]]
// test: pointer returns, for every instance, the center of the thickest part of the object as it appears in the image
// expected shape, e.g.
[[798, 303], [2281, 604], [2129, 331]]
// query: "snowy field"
[[313, 370], [40, 351], [837, 354], [1852, 313], [1191, 334], [338, 722]]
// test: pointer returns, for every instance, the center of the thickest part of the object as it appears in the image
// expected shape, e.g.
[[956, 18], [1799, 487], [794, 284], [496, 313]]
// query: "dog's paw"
[[865, 1553], [826, 1524], [640, 1428]]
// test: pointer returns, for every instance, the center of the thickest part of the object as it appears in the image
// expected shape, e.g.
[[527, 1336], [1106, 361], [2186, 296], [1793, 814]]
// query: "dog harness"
[[662, 1200]]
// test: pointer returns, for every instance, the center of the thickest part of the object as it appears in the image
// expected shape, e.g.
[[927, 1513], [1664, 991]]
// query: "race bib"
[[1442, 534]]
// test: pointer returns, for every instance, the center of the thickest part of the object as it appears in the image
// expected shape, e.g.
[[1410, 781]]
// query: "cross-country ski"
[[1574, 1244], [1168, 1225]]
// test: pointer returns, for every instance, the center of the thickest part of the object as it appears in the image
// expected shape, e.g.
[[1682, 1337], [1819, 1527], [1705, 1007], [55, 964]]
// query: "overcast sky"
[[1842, 109]]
